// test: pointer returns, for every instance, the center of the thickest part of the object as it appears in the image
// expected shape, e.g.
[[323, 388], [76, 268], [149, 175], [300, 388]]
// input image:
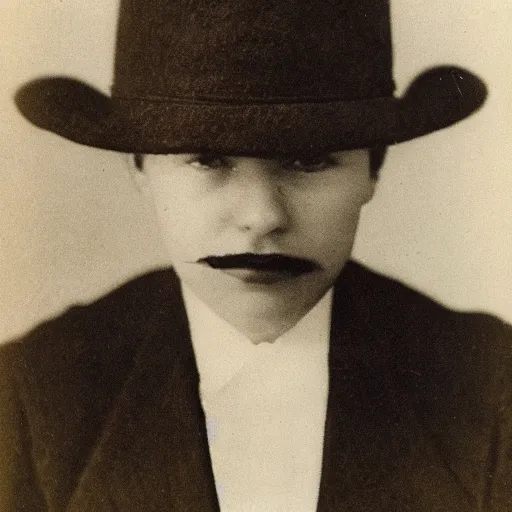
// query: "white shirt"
[[265, 409]]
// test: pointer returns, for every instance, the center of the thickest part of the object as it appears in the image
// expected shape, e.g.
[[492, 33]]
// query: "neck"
[[256, 328]]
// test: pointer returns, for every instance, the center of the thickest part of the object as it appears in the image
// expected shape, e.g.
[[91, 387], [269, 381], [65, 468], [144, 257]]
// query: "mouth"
[[260, 268]]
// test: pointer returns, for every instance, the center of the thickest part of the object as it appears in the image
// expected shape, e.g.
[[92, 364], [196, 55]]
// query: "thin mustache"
[[270, 262]]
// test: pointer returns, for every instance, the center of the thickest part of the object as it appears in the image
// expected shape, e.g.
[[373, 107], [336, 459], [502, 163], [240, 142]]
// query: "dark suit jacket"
[[100, 409]]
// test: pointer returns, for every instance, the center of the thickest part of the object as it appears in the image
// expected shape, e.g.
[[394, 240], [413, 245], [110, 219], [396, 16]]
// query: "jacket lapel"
[[153, 451], [353, 435], [377, 454]]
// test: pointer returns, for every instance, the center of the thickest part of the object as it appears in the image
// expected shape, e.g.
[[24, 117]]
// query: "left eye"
[[309, 164], [207, 162]]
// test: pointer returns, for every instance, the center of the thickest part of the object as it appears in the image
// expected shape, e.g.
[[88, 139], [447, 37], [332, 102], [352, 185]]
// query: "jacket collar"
[[153, 451]]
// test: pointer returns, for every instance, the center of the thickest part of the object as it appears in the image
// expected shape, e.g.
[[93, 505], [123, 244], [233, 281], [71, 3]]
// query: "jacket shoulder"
[[410, 316], [466, 352], [58, 383], [108, 325], [456, 369], [85, 353]]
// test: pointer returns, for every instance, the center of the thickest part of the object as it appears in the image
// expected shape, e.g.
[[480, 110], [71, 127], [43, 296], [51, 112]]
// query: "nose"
[[260, 204]]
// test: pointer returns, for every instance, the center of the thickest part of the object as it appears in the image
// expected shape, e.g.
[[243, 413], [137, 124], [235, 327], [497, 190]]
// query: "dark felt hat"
[[255, 77]]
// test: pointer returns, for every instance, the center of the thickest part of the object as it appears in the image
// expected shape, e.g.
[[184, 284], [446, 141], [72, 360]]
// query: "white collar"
[[222, 351]]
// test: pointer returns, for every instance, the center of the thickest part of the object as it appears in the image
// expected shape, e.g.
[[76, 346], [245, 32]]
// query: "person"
[[265, 370]]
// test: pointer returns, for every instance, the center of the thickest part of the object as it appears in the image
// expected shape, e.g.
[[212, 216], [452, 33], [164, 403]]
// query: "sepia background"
[[72, 225]]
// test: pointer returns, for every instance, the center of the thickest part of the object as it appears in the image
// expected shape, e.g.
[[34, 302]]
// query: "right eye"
[[209, 162], [309, 165]]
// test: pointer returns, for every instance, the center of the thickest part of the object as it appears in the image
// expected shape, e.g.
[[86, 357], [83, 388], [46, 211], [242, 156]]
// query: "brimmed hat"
[[254, 77]]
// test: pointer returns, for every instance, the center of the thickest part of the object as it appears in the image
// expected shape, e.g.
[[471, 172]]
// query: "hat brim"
[[436, 99]]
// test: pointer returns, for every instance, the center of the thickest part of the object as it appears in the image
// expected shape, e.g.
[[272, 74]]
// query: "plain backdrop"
[[73, 226]]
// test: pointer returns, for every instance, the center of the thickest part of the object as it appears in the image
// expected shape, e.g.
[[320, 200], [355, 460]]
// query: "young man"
[[265, 371]]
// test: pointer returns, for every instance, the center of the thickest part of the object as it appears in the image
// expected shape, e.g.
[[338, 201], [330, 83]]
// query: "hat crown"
[[251, 77], [246, 51]]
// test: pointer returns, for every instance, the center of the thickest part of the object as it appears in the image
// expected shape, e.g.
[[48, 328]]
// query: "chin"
[[237, 301], [261, 320], [276, 304]]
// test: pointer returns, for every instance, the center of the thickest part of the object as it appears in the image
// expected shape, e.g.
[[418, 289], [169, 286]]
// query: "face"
[[258, 240]]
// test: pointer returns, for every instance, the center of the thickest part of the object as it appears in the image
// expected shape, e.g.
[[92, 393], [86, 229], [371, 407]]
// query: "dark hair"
[[377, 156], [138, 160]]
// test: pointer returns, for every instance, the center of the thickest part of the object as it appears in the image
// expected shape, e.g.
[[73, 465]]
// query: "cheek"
[[339, 228], [181, 218], [332, 222], [336, 207]]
